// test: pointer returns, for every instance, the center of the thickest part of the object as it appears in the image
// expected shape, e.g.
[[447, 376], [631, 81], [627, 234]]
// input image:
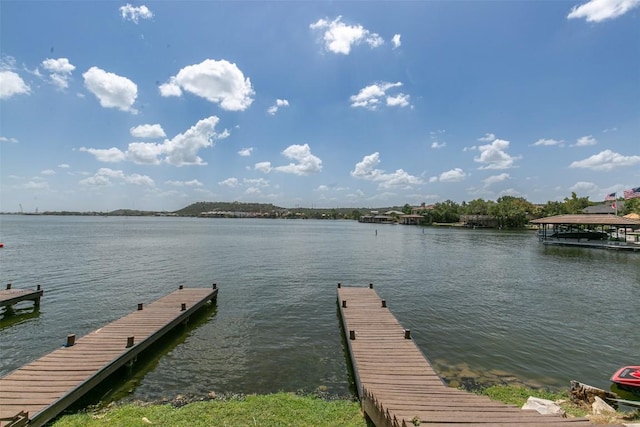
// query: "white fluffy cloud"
[[494, 155], [134, 14], [396, 41], [12, 84], [109, 155], [264, 167], [229, 182], [488, 137], [192, 183], [495, 179], [367, 169], [339, 37], [181, 150], [60, 71], [606, 160], [104, 178], [246, 152], [453, 175], [585, 141], [548, 142], [275, 107], [370, 97], [112, 90], [304, 163], [601, 10], [400, 100], [220, 82], [147, 131]]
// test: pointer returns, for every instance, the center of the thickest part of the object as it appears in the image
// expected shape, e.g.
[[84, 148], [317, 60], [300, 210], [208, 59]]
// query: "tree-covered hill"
[[197, 208]]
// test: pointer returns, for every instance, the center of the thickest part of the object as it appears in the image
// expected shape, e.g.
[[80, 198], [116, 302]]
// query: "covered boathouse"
[[605, 231]]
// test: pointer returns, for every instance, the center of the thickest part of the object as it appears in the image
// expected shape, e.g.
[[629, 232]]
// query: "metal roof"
[[588, 219]]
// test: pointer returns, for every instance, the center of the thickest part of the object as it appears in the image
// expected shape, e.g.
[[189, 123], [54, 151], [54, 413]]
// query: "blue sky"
[[156, 105]]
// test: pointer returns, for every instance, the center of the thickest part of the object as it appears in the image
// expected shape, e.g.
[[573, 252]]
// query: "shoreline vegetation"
[[505, 212], [291, 409]]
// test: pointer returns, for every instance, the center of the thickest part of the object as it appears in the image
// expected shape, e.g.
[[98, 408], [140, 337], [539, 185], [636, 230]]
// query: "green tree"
[[576, 204], [630, 206], [512, 212], [447, 211], [477, 207], [552, 208]]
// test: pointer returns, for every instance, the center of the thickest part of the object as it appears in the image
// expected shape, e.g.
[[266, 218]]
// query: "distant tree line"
[[507, 211], [513, 212]]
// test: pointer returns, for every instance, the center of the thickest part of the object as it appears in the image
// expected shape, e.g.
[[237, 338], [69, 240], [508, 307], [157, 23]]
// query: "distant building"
[[605, 208], [482, 221]]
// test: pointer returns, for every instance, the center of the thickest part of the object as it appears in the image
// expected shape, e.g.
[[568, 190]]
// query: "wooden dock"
[[9, 296], [42, 389], [398, 387]]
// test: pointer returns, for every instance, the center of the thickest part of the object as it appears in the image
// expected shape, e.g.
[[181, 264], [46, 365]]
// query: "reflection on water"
[[477, 301], [14, 315]]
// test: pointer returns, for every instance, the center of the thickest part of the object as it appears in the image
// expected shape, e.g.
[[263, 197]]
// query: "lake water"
[[482, 302]]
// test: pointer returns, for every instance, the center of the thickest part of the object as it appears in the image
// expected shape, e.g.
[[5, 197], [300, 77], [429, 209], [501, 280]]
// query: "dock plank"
[[48, 385], [10, 296], [397, 385]]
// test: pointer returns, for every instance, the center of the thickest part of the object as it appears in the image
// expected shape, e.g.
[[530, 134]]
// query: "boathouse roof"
[[588, 219]]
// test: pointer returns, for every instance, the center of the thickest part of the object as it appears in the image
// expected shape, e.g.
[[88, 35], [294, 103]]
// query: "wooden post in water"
[[36, 302]]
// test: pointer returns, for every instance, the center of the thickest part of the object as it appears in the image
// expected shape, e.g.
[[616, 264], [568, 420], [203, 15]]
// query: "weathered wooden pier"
[[37, 392], [9, 296], [398, 387]]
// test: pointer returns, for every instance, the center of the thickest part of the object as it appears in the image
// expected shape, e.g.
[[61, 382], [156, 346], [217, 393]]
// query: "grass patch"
[[279, 409], [518, 395]]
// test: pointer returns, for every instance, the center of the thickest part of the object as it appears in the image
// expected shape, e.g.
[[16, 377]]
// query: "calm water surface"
[[474, 299]]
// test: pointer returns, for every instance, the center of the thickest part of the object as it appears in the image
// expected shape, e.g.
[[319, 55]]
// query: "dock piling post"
[[181, 287], [352, 335], [8, 286], [344, 303], [339, 285], [215, 286], [39, 288], [407, 334], [384, 303], [129, 342], [370, 285], [139, 306], [71, 340], [183, 307]]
